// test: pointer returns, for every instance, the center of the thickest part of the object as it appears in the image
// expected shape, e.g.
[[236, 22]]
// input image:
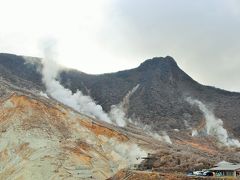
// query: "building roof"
[[222, 163], [225, 166]]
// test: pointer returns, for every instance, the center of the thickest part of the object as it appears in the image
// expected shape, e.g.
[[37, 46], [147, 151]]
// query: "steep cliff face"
[[41, 139]]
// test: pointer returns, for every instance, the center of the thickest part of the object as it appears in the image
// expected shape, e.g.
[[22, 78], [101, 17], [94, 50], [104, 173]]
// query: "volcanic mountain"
[[181, 123], [159, 101]]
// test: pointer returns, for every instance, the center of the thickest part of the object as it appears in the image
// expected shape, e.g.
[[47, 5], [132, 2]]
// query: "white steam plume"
[[162, 136], [77, 101], [194, 132], [131, 153], [214, 126], [43, 94], [118, 112]]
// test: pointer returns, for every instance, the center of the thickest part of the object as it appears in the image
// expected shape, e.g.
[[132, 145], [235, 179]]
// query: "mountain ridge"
[[160, 100], [172, 122]]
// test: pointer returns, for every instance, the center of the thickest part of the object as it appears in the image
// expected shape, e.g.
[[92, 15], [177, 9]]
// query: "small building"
[[226, 169]]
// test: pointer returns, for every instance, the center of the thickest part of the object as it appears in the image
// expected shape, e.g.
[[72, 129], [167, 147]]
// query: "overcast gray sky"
[[98, 36]]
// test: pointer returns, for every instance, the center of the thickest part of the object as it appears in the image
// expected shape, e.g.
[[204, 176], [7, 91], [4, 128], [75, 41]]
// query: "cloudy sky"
[[97, 36]]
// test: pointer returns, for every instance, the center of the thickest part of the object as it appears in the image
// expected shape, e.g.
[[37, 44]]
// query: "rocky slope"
[[160, 100], [40, 138], [43, 139]]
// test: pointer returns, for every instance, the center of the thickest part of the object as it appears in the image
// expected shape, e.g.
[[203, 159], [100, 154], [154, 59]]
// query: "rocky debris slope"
[[189, 154], [160, 100], [42, 139]]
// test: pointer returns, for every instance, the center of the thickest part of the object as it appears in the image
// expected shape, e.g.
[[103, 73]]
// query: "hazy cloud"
[[201, 35]]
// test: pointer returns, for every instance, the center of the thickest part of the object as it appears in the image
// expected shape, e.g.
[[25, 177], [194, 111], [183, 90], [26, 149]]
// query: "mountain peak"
[[157, 62]]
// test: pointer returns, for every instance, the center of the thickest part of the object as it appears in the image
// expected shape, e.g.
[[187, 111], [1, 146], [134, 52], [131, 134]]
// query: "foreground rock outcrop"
[[41, 139]]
